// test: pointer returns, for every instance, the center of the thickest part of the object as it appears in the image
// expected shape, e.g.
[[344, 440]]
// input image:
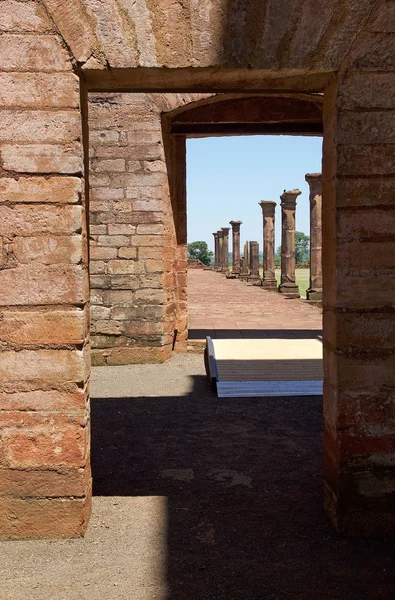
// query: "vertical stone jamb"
[[268, 215], [314, 291], [254, 262], [225, 249], [288, 207], [235, 247]]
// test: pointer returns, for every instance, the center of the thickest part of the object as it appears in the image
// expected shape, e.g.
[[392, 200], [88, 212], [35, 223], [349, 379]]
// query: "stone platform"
[[230, 308]]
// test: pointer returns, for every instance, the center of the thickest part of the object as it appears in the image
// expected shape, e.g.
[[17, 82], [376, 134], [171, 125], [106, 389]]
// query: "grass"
[[302, 279]]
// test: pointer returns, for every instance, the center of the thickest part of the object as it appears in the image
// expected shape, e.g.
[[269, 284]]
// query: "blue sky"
[[228, 176]]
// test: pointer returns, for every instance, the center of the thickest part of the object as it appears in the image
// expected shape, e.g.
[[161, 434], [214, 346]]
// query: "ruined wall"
[[346, 47], [137, 261], [44, 364]]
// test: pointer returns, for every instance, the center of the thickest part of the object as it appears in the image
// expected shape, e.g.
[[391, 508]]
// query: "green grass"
[[302, 279]]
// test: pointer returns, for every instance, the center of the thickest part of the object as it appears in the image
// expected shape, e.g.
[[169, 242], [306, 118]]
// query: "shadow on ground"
[[243, 478]]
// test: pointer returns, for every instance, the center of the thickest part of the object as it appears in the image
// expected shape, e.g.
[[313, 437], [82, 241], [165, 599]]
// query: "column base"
[[243, 276], [231, 276], [289, 289], [270, 284], [312, 294], [254, 279]]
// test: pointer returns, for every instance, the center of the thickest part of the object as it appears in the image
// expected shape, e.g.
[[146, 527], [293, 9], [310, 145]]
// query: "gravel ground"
[[198, 498]]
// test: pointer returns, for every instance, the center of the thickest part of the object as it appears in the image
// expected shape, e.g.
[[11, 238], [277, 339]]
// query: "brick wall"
[[137, 256]]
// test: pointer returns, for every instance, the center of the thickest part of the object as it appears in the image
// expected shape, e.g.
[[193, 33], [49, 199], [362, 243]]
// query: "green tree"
[[302, 248], [200, 251]]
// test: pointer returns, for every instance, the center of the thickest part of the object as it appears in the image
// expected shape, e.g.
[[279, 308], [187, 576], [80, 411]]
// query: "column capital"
[[225, 230], [313, 177], [215, 233], [235, 224], [288, 197], [220, 233], [267, 206]]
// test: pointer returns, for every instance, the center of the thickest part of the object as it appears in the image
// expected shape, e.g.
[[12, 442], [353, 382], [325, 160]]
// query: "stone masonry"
[[52, 54]]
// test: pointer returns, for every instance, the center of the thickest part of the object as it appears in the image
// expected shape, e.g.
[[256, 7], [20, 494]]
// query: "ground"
[[199, 498], [233, 308]]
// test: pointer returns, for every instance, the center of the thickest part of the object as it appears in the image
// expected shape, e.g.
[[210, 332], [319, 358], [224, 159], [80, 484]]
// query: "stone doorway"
[[58, 52]]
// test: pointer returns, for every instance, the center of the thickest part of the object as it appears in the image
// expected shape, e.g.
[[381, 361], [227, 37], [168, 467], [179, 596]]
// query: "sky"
[[228, 176]]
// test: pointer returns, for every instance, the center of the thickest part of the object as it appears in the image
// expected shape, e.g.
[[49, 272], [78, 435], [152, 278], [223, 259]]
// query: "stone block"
[[354, 93], [47, 250], [23, 17], [44, 158], [45, 484], [30, 220], [124, 267], [58, 366], [121, 229], [35, 328], [107, 194], [373, 159], [41, 285], [66, 190], [365, 192], [366, 127], [114, 241], [102, 252], [102, 137], [139, 355], [40, 126], [150, 229], [108, 165], [128, 253], [69, 402], [33, 53], [29, 90]]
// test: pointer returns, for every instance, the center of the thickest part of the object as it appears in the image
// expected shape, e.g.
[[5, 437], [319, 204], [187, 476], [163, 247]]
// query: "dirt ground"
[[197, 498]]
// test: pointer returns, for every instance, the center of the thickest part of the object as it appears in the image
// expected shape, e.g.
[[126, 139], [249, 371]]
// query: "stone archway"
[[50, 54]]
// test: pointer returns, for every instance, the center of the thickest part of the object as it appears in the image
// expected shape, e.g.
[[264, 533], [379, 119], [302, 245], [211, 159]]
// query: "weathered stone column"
[[220, 250], [268, 214], [215, 249], [246, 262], [254, 262], [315, 285], [288, 206], [235, 247], [225, 249]]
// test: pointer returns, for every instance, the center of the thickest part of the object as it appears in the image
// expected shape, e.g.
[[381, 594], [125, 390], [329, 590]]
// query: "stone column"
[[225, 249], [254, 262], [288, 206], [235, 247], [268, 214], [245, 268], [315, 285], [215, 249], [220, 252]]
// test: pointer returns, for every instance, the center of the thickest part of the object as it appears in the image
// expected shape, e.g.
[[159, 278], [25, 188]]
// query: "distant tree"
[[302, 248], [200, 251]]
